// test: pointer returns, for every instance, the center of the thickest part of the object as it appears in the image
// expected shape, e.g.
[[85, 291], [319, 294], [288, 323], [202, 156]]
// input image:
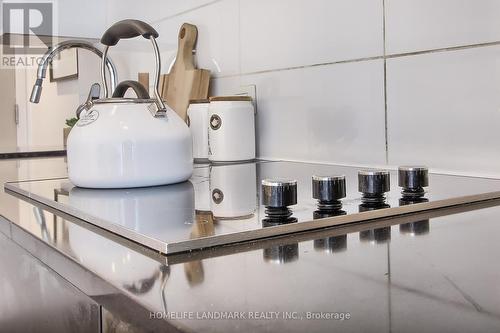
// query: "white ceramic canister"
[[231, 130], [197, 120], [233, 190]]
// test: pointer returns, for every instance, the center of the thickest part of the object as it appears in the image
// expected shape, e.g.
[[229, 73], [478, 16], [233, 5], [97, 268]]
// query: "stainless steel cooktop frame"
[[242, 236]]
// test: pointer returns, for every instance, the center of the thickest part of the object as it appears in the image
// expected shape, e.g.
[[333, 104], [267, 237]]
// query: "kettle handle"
[[127, 29], [130, 29], [137, 87]]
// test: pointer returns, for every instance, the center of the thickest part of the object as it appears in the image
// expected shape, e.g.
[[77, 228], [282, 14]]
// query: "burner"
[[367, 207], [321, 214], [277, 195], [373, 185], [413, 179], [328, 190]]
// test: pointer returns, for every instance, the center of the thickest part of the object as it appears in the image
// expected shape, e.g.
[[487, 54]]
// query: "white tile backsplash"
[[289, 33], [78, 18], [417, 25], [150, 10], [318, 66], [331, 113], [225, 86], [444, 110], [217, 47]]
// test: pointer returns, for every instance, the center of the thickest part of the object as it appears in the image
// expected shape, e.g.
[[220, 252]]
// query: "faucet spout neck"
[[52, 52]]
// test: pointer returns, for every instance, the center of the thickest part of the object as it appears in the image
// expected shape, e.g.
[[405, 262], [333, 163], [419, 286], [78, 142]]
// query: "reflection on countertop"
[[25, 169], [398, 281]]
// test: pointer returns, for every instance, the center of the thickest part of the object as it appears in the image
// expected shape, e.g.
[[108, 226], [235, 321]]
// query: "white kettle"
[[128, 142]]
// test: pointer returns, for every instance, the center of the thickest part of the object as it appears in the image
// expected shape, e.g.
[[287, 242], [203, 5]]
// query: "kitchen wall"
[[42, 124], [368, 82], [351, 81]]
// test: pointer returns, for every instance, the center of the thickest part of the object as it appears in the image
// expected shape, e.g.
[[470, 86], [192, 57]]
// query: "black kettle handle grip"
[[137, 87], [127, 29]]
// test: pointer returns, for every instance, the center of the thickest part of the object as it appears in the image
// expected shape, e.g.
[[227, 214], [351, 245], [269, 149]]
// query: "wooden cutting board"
[[185, 82], [143, 79]]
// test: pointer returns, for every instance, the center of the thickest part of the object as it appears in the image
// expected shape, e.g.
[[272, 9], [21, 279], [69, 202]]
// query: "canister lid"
[[242, 98], [199, 101]]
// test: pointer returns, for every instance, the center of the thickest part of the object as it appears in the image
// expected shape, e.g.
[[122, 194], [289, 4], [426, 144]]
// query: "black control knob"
[[373, 185], [279, 193], [328, 190], [277, 196], [413, 179]]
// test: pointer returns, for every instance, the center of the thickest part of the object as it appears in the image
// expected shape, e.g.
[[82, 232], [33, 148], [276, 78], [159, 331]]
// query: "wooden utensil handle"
[[186, 41], [143, 78]]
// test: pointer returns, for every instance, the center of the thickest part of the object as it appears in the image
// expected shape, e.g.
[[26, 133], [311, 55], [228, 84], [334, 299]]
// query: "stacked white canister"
[[224, 129], [231, 130], [197, 120]]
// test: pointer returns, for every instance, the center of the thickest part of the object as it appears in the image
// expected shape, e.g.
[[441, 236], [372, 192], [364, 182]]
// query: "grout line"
[[184, 12], [381, 57], [386, 122], [385, 56], [443, 49], [300, 67], [239, 41]]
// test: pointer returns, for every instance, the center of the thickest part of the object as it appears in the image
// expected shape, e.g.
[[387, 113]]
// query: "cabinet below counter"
[[35, 298]]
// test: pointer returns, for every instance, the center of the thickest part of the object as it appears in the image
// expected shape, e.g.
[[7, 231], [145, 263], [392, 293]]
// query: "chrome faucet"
[[49, 55]]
